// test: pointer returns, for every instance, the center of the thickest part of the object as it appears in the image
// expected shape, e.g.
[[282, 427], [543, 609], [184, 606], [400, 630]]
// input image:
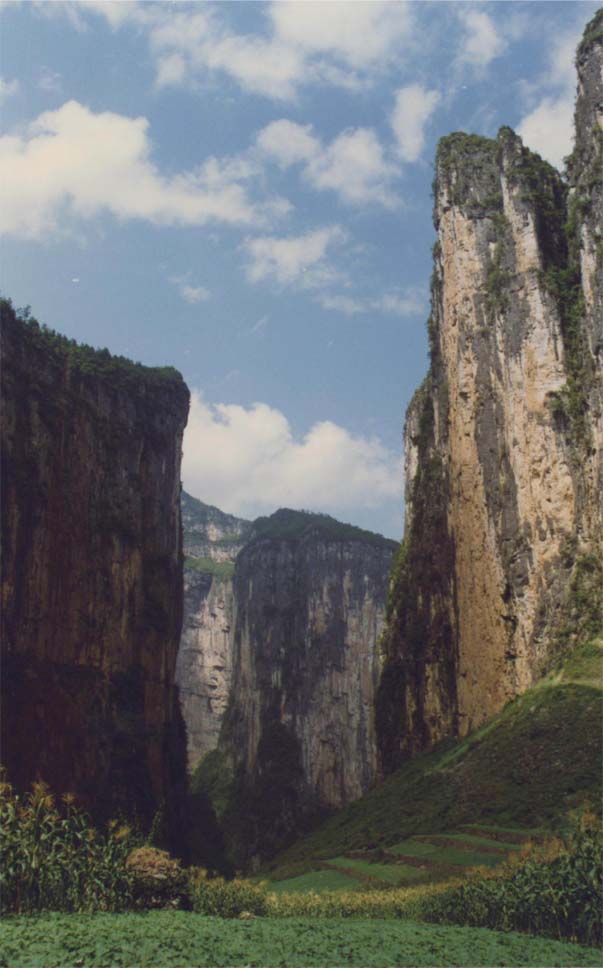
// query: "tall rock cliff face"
[[585, 235], [503, 439], [91, 571], [212, 541], [299, 732]]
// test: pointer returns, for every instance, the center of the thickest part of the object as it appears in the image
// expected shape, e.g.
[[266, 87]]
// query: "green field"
[[176, 938], [413, 861]]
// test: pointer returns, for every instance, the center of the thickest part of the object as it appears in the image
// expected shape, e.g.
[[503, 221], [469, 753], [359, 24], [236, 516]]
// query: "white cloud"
[[247, 461], [297, 259], [7, 89], [288, 143], [413, 107], [116, 12], [358, 33], [548, 129], [302, 43], [189, 44], [190, 294], [410, 302], [353, 165], [482, 41], [74, 162]]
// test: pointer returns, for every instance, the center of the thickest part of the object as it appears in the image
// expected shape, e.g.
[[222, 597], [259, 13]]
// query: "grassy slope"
[[526, 768], [176, 938]]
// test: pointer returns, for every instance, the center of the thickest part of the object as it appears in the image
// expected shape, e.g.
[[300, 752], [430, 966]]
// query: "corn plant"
[[53, 859]]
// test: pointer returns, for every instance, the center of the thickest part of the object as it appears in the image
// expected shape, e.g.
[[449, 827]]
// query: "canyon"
[[309, 658]]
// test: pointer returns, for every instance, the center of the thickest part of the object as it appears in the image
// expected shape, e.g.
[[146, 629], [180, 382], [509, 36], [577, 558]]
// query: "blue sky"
[[242, 190]]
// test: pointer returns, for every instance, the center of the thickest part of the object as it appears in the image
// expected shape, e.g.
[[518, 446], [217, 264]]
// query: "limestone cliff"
[[299, 734], [212, 541], [503, 439], [91, 571]]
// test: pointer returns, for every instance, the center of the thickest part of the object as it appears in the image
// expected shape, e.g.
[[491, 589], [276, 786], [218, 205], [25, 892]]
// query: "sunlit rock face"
[[91, 572], [212, 541], [309, 606], [503, 439]]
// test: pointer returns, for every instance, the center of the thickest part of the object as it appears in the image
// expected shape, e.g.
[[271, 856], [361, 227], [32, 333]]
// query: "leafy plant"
[[555, 891], [226, 898], [53, 859]]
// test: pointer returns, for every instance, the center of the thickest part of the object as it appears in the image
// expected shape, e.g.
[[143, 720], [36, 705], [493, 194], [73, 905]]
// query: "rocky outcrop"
[[299, 731], [212, 541], [91, 571], [503, 440]]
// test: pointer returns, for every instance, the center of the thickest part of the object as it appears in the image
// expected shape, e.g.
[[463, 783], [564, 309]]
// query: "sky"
[[243, 190]]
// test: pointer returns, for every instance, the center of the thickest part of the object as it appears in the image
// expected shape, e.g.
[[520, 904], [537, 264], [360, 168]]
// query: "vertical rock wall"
[[212, 541], [299, 731], [503, 440], [91, 571]]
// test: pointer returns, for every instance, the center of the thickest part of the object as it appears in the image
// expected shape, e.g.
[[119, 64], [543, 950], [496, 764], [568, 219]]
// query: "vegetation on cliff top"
[[593, 33], [208, 566], [294, 525], [85, 359]]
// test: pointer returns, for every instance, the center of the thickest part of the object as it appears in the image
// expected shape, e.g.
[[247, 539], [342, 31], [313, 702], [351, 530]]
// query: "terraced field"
[[417, 860]]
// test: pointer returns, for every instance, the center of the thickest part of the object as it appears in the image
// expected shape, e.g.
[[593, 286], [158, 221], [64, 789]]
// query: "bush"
[[157, 879], [52, 859], [555, 891], [226, 899]]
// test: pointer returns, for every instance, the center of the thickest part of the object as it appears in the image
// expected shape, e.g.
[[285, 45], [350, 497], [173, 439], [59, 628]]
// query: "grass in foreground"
[[175, 938], [535, 761]]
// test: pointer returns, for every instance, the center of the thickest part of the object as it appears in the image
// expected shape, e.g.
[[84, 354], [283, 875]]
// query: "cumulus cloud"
[[413, 107], [301, 43], [359, 34], [482, 41], [198, 41], [548, 127], [248, 461], [291, 260], [288, 143], [74, 162], [353, 165]]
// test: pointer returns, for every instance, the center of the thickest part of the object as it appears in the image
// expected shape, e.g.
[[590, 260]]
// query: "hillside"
[[539, 758]]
